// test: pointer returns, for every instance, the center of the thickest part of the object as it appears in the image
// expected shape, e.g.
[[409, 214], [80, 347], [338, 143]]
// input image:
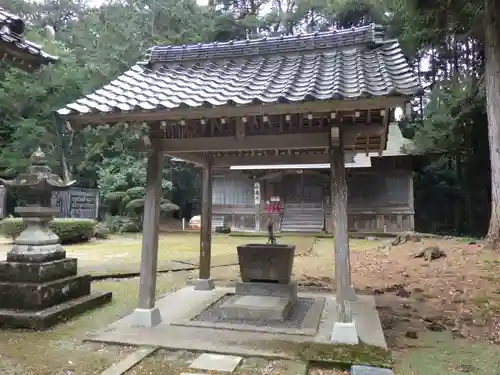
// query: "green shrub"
[[123, 224], [114, 201], [11, 227], [135, 205], [136, 192], [115, 196], [101, 231], [68, 230]]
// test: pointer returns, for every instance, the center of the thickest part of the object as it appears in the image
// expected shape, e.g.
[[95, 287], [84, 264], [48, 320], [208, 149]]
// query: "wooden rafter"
[[183, 114]]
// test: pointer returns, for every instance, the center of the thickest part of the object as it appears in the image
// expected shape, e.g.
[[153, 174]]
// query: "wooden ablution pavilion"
[[298, 99]]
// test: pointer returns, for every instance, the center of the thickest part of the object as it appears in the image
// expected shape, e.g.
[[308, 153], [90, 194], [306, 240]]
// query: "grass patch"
[[60, 350], [440, 354], [121, 254], [329, 355]]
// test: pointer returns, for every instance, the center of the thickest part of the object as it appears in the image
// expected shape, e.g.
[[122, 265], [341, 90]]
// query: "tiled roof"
[[373, 35], [352, 64], [396, 145], [14, 47]]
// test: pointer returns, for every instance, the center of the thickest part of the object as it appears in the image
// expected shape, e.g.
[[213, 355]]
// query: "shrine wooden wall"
[[378, 201], [380, 198]]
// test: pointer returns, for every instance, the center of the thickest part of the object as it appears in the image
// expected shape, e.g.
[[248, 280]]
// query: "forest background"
[[450, 45]]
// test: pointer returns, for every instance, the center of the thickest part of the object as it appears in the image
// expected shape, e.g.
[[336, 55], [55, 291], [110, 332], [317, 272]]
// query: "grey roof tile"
[[351, 64], [12, 41]]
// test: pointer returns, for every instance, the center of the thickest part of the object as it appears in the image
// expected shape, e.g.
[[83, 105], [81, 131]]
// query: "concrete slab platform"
[[146, 317], [308, 325], [216, 362], [345, 333], [204, 284], [130, 361], [180, 304]]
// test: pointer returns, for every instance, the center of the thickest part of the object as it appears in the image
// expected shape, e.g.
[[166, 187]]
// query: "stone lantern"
[[39, 286], [37, 243]]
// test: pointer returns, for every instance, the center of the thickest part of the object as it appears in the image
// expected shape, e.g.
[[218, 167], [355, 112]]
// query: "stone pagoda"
[[39, 286]]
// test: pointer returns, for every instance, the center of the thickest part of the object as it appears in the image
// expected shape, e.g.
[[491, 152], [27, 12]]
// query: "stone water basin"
[[266, 263]]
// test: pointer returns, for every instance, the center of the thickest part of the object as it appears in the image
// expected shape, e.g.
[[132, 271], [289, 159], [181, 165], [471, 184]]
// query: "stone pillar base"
[[204, 284], [345, 333], [37, 295], [350, 294], [146, 318]]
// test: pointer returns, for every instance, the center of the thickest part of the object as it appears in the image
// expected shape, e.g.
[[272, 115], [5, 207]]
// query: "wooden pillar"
[[147, 315], [411, 201], [344, 330], [345, 292], [204, 282]]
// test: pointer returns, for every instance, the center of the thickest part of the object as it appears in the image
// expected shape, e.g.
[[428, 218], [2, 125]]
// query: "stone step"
[[302, 225], [38, 296], [217, 221], [303, 217], [299, 230], [302, 221], [37, 272], [46, 318]]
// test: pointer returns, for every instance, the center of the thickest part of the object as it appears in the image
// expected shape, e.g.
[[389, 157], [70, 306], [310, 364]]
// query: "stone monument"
[[266, 291], [39, 286]]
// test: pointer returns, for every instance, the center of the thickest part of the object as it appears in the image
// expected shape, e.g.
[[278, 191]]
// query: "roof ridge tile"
[[372, 34]]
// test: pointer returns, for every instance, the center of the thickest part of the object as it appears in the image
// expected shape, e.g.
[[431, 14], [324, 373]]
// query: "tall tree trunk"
[[492, 79]]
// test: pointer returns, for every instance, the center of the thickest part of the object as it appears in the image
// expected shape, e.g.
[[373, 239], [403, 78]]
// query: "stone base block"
[[257, 308], [288, 291], [38, 296], [36, 253], [204, 284], [146, 318], [345, 333], [37, 272], [46, 318]]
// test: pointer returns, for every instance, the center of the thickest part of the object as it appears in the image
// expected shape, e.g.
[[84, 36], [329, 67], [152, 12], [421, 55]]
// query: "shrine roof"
[[15, 48], [351, 64]]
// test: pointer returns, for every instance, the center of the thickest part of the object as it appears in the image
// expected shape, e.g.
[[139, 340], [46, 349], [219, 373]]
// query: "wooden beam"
[[255, 142], [228, 161], [300, 141], [236, 111], [196, 159]]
